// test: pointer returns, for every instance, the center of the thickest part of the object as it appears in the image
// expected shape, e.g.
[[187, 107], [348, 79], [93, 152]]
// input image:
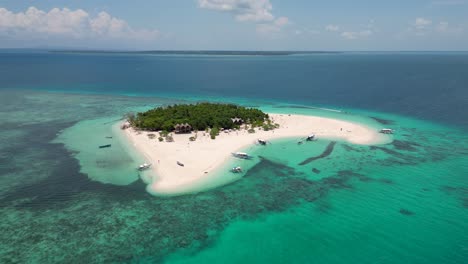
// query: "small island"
[[212, 117], [196, 140]]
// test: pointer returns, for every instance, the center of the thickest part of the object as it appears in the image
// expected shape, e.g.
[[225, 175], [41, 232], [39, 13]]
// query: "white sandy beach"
[[204, 155]]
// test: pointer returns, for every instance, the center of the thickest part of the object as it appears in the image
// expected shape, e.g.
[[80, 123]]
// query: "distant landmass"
[[202, 52]]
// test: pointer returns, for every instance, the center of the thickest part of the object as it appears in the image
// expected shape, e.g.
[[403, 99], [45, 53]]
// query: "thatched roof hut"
[[237, 121], [182, 128]]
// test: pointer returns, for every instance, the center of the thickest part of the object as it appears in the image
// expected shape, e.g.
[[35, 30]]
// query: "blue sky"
[[236, 24]]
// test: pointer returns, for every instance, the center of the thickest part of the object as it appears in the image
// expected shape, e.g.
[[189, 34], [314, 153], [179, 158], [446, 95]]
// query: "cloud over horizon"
[[257, 11], [243, 10], [68, 24]]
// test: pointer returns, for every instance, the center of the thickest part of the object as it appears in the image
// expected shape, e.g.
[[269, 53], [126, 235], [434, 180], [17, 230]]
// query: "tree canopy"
[[199, 116]]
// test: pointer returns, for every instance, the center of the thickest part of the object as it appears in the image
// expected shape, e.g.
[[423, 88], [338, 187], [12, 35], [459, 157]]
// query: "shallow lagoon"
[[402, 202], [116, 165]]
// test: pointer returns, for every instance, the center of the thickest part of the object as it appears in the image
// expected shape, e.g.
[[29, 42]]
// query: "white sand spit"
[[204, 155]]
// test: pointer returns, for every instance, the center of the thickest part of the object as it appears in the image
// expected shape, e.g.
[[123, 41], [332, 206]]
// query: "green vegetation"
[[201, 116], [214, 132], [269, 126]]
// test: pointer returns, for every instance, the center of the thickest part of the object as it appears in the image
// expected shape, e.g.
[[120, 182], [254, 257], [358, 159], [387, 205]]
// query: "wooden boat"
[[262, 142], [144, 166], [241, 155], [311, 137], [236, 169], [386, 131], [180, 164], [105, 146]]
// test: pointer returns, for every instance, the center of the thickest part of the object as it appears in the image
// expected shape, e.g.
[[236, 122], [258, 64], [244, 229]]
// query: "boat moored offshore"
[[144, 166], [386, 131], [236, 169], [241, 155]]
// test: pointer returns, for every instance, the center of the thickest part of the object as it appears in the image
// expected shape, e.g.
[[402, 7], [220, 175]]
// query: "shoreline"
[[204, 156]]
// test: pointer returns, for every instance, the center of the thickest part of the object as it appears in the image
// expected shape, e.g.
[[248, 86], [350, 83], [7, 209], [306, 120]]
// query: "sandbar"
[[205, 155]]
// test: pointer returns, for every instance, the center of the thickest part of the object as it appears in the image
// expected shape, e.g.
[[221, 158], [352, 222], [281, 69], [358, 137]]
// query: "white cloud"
[[356, 34], [332, 28], [66, 23], [421, 23], [424, 27], [243, 10], [257, 11], [420, 26]]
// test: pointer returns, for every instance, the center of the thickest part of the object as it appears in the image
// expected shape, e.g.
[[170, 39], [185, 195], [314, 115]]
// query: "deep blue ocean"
[[64, 200], [431, 86]]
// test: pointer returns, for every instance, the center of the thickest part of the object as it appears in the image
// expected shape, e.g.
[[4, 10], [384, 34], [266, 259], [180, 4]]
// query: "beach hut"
[[177, 128], [182, 128], [188, 128], [237, 121]]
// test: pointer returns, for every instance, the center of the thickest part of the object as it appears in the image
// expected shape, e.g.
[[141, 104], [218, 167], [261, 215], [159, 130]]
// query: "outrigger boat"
[[180, 164], [144, 166], [241, 155], [236, 169], [386, 131], [262, 142], [311, 137], [105, 146]]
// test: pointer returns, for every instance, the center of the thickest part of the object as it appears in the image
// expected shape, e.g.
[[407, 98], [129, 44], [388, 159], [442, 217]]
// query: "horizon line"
[[214, 50]]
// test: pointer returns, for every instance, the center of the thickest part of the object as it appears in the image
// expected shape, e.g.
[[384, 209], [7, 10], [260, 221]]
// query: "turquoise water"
[[62, 199], [102, 164], [400, 202], [116, 165]]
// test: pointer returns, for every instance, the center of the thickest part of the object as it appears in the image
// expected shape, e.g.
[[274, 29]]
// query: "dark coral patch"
[[383, 121], [405, 145], [406, 212], [324, 154], [349, 148]]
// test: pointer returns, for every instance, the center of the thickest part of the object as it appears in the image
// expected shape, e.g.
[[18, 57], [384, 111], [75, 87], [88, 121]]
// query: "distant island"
[[202, 52], [183, 118]]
